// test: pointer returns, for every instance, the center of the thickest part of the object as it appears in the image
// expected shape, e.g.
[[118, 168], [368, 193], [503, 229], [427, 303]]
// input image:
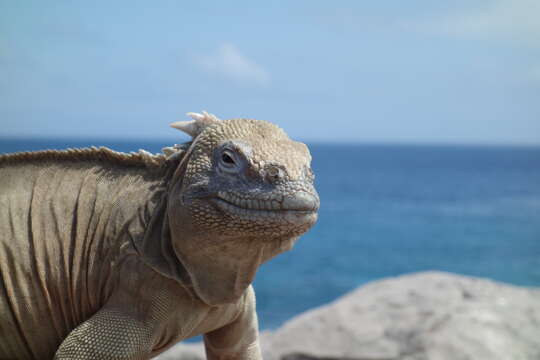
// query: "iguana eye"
[[232, 157], [227, 159]]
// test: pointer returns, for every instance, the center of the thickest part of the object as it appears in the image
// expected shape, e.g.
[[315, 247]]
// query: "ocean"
[[388, 210]]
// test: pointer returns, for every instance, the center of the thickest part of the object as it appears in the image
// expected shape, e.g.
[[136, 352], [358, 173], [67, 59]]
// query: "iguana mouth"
[[299, 202]]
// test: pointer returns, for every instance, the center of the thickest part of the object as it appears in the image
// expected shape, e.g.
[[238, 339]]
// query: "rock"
[[424, 316], [184, 351]]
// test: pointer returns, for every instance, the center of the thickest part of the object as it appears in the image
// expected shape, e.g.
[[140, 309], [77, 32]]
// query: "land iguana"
[[107, 255]]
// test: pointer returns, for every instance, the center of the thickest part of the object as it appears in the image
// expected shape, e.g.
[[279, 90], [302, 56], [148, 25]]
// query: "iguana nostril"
[[301, 201], [274, 174]]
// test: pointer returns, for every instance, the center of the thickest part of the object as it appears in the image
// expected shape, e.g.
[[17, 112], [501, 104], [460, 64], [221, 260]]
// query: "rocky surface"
[[424, 316]]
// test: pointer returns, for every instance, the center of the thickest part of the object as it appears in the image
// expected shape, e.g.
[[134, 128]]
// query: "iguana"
[[107, 255]]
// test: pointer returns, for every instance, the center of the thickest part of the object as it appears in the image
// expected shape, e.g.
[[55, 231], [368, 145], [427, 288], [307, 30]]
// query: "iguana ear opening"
[[194, 127]]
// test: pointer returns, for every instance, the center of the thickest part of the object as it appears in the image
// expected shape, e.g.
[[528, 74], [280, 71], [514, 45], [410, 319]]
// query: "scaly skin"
[[114, 256]]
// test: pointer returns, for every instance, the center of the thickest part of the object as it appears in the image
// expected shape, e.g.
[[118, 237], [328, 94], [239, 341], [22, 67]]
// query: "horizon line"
[[345, 142]]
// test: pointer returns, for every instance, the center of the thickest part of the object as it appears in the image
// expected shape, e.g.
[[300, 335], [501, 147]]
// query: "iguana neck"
[[150, 233]]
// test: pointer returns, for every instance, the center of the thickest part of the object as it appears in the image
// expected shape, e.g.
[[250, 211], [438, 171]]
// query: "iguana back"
[[60, 215]]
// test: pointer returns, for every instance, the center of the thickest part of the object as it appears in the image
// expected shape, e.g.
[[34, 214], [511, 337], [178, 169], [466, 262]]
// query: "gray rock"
[[184, 351], [424, 316]]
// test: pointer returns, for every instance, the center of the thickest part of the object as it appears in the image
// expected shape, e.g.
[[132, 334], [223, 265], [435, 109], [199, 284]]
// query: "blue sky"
[[348, 71]]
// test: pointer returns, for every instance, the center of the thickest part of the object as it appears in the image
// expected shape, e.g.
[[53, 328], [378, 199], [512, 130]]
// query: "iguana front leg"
[[112, 333], [238, 340]]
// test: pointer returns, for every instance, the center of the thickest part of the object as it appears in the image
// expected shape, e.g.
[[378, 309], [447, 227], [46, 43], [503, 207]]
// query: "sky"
[[416, 71]]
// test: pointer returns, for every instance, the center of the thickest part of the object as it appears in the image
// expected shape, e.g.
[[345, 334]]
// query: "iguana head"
[[244, 193]]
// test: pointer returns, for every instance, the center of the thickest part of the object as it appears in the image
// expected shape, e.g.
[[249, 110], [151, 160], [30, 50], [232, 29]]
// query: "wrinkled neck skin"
[[219, 267]]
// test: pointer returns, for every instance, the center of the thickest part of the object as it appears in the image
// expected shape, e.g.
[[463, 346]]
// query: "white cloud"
[[517, 21], [230, 63]]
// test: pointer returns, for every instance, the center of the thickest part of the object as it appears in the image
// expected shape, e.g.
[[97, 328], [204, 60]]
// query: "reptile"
[[109, 255]]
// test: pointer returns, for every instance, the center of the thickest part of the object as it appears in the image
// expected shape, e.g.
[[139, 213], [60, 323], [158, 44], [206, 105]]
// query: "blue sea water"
[[389, 210]]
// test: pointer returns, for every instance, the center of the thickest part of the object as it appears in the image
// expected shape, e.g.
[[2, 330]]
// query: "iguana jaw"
[[300, 202], [300, 208]]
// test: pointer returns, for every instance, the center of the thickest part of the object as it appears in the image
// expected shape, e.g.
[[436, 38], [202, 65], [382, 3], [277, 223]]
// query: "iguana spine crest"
[[102, 154]]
